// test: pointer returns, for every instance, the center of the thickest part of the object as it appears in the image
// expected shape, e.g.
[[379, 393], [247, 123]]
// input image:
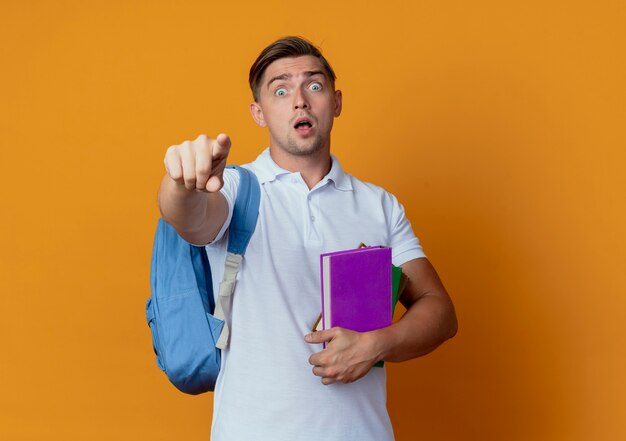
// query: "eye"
[[281, 91], [315, 86]]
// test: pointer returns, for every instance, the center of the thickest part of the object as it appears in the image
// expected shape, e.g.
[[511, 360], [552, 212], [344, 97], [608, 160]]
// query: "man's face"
[[297, 104]]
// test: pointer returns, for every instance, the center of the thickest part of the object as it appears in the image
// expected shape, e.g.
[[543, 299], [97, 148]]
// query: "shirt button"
[[312, 218]]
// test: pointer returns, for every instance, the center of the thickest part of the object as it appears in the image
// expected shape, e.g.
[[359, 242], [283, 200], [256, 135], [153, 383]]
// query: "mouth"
[[303, 123], [303, 126]]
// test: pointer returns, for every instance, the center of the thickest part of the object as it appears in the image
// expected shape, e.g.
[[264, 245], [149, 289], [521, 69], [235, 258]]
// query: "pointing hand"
[[199, 164]]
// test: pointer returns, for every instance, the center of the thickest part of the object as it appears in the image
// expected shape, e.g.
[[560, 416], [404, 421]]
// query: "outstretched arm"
[[189, 197], [429, 321]]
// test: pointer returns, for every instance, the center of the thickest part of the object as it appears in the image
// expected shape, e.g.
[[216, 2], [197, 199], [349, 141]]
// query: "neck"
[[311, 167]]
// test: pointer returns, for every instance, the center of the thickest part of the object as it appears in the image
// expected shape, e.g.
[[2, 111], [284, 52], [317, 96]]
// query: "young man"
[[277, 381]]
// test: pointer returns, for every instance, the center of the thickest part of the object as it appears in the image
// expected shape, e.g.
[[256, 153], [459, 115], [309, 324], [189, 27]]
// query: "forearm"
[[197, 216], [429, 321], [426, 324], [349, 355]]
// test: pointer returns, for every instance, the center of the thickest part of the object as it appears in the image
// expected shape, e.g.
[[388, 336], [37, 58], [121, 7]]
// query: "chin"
[[300, 149]]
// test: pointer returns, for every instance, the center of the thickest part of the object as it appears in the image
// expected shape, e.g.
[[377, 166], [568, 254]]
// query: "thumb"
[[320, 336]]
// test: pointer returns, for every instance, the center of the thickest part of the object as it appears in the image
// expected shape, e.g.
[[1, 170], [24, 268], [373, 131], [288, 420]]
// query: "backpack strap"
[[242, 225]]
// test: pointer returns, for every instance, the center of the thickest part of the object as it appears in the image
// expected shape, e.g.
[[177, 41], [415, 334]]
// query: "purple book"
[[356, 289]]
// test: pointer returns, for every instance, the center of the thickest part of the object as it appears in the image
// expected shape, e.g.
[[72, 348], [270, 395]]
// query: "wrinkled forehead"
[[293, 67]]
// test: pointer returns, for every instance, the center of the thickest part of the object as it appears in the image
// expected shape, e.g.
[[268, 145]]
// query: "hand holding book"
[[349, 355], [359, 290]]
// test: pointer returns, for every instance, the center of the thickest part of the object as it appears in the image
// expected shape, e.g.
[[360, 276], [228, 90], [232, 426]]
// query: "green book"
[[396, 279]]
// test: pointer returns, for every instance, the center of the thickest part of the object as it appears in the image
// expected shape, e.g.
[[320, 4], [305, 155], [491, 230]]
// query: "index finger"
[[320, 336], [221, 146]]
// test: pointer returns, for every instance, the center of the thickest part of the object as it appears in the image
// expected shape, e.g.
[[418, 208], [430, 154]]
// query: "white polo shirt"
[[266, 390]]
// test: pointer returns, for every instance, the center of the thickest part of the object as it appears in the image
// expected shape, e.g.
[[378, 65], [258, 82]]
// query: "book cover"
[[357, 289], [399, 281]]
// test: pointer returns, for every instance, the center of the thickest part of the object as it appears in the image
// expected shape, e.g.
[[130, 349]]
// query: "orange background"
[[499, 125]]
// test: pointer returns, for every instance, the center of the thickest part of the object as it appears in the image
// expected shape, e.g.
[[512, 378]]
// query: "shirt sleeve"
[[229, 190], [404, 244]]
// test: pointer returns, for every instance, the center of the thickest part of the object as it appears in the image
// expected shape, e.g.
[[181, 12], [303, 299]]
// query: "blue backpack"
[[188, 327]]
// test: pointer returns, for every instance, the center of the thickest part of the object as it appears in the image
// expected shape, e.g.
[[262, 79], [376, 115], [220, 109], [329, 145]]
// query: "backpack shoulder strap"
[[245, 212], [242, 225]]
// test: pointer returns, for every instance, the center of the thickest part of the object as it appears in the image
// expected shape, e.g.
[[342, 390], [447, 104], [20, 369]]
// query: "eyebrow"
[[308, 73]]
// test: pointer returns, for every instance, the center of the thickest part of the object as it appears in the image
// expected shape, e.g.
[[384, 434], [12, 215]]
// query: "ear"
[[257, 114], [338, 98]]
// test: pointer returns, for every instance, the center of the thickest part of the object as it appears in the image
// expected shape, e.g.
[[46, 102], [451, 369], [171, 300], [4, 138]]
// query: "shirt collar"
[[267, 170]]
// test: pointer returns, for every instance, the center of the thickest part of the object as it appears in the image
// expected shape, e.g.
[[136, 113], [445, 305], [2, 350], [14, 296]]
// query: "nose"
[[300, 100]]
